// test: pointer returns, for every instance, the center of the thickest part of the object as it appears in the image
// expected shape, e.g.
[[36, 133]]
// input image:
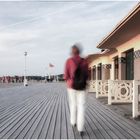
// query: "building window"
[[89, 74], [94, 73], [116, 70], [130, 64], [100, 71]]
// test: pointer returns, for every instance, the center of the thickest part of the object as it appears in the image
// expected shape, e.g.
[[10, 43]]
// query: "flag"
[[51, 65]]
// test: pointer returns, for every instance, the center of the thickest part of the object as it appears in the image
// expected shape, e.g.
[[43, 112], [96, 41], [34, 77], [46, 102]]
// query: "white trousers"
[[77, 107]]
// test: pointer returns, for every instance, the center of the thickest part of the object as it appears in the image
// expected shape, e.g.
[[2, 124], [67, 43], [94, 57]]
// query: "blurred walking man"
[[76, 75]]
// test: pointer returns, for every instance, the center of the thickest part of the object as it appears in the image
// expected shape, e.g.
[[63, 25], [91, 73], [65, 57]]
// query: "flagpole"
[[45, 74], [49, 73], [25, 70], [51, 66]]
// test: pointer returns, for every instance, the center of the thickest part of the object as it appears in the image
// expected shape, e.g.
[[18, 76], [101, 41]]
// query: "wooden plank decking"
[[41, 111]]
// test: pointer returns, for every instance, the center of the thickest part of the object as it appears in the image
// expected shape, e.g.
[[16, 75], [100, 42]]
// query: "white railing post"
[[97, 88], [101, 88], [109, 92], [112, 70], [91, 86], [94, 86], [135, 101]]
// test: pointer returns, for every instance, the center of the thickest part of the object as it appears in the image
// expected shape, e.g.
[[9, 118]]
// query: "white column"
[[135, 101], [97, 88], [112, 70], [96, 84], [112, 77], [109, 91], [96, 72]]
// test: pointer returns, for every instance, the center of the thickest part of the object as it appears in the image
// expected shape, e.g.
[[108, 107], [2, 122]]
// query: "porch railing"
[[91, 86], [136, 99], [101, 88], [120, 91]]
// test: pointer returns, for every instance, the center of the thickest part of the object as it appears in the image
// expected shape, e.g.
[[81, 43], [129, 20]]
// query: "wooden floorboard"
[[22, 120], [120, 124], [38, 128], [63, 120], [42, 111]]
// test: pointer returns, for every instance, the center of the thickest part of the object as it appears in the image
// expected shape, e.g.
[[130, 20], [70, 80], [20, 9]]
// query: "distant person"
[[76, 75]]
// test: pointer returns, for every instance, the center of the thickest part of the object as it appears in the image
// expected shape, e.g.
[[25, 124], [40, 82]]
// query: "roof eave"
[[122, 22]]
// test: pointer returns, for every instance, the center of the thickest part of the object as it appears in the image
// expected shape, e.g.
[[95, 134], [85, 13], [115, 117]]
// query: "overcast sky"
[[46, 30]]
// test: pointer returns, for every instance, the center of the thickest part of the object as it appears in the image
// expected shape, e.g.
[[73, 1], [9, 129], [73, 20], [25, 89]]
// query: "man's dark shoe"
[[81, 133], [74, 125]]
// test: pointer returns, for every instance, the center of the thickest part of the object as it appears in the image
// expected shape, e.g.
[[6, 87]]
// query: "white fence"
[[101, 88], [120, 91], [91, 86], [125, 91], [136, 99]]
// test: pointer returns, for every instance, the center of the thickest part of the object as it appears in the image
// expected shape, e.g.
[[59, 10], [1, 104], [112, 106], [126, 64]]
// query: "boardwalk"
[[41, 111]]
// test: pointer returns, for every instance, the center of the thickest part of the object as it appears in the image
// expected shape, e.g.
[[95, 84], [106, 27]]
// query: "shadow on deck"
[[41, 111]]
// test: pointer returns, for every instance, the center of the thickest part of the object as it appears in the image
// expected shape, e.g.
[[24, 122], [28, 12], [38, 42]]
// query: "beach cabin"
[[115, 71]]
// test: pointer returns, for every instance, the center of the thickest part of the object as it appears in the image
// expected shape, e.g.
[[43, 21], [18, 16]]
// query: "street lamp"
[[25, 70]]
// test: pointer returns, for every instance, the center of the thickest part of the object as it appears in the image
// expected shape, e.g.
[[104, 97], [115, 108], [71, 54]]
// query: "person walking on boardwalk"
[[76, 75]]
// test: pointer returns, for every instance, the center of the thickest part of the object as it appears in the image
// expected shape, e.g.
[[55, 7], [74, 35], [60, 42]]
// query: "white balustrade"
[[91, 86], [101, 88], [136, 99], [120, 91]]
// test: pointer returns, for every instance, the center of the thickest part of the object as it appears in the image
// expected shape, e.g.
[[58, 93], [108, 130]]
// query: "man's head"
[[76, 50]]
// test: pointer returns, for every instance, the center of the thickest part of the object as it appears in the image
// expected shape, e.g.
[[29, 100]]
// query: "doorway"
[[100, 71], [116, 69], [130, 65]]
